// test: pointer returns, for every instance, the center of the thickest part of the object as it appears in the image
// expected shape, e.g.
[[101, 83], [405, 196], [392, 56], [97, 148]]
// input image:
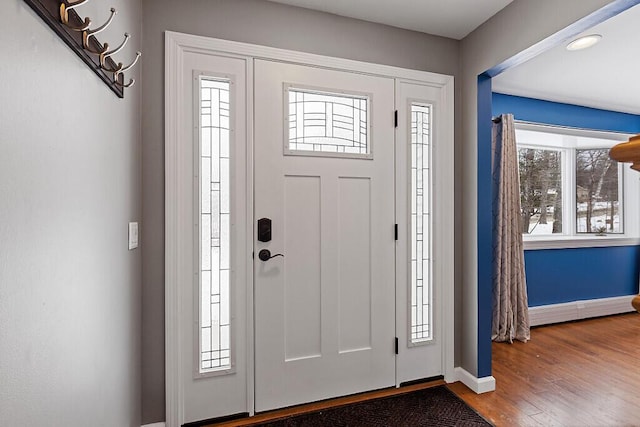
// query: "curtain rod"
[[595, 133]]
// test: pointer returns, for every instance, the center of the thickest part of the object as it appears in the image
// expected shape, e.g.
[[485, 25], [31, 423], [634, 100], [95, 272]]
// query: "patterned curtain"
[[510, 307]]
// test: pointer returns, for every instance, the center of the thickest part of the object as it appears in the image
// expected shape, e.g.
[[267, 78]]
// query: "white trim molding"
[[155, 425], [478, 385], [572, 242], [190, 43], [576, 310], [175, 217]]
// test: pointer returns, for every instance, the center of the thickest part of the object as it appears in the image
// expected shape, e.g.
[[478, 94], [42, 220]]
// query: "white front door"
[[314, 150], [324, 176]]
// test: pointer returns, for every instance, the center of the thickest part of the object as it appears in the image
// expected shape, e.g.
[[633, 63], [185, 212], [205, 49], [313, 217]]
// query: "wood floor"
[[330, 403], [584, 373]]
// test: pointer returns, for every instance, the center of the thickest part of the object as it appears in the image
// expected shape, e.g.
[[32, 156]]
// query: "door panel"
[[302, 287], [354, 237], [324, 321]]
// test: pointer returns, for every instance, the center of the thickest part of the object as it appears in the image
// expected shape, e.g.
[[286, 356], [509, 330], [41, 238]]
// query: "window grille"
[[328, 123], [215, 325], [421, 287]]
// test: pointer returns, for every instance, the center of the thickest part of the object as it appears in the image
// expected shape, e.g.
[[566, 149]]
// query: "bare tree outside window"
[[540, 190], [568, 184], [597, 198]]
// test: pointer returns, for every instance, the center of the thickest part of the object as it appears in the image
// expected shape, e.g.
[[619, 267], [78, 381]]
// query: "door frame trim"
[[176, 45]]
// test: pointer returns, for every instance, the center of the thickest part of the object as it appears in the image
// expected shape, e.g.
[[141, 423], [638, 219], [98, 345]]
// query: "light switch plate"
[[133, 235]]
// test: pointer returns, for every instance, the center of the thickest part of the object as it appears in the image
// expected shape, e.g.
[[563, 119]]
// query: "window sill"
[[570, 242]]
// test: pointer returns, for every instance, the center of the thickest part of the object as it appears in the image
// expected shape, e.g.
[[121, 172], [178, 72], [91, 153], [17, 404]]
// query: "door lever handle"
[[265, 255]]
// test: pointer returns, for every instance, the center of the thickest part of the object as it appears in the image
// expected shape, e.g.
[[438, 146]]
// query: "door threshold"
[[277, 414]]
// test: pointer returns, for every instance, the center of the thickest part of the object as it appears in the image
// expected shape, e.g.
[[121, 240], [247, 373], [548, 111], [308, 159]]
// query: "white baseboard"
[[478, 385], [556, 313], [155, 425]]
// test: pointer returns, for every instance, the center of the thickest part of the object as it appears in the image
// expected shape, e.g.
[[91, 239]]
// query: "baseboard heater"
[[576, 310]]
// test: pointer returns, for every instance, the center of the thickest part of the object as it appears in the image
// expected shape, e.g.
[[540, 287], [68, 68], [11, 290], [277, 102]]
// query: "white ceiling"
[[603, 76], [448, 18]]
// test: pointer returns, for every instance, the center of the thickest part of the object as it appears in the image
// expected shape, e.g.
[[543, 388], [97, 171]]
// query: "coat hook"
[[131, 82], [105, 55], [128, 67], [64, 15], [121, 70], [88, 33]]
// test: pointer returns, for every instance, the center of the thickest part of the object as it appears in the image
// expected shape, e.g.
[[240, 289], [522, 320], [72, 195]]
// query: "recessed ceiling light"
[[584, 42]]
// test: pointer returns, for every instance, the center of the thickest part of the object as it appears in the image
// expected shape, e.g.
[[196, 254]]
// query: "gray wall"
[[517, 27], [252, 21], [70, 180]]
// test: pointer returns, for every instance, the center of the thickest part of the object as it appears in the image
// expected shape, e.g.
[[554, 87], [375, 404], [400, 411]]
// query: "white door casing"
[[324, 321], [180, 262]]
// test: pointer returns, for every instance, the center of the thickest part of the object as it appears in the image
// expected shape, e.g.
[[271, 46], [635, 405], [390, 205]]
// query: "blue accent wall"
[[555, 113], [485, 228], [565, 275]]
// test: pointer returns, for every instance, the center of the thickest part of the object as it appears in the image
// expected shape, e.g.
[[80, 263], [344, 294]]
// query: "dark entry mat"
[[436, 406]]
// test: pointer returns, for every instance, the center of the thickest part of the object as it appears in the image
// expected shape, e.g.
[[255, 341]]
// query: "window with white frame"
[[327, 123], [569, 186]]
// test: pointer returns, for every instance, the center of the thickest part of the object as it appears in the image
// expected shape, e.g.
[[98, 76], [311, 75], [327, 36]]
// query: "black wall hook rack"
[[49, 11]]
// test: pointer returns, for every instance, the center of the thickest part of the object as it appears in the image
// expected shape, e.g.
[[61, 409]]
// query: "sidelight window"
[[215, 241], [421, 288]]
